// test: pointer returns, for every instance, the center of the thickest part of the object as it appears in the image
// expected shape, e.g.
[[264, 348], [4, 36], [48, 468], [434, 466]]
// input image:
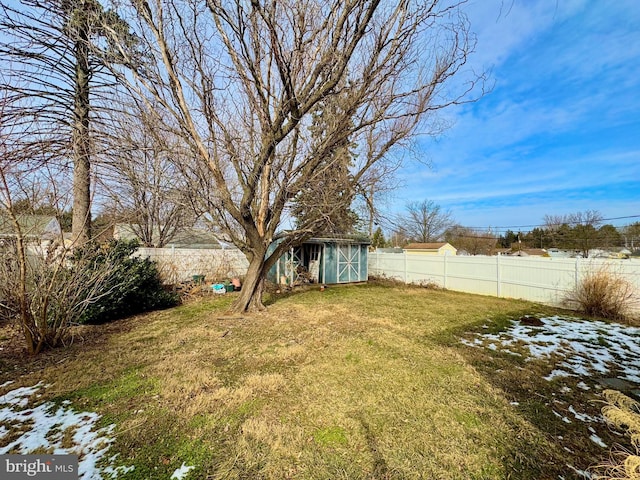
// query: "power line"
[[512, 227]]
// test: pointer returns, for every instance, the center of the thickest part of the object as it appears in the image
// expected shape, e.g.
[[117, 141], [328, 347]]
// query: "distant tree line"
[[580, 232], [581, 238]]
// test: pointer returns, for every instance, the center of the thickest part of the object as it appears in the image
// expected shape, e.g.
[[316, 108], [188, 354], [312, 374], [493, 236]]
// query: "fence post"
[[405, 268], [174, 266], [498, 278], [444, 282]]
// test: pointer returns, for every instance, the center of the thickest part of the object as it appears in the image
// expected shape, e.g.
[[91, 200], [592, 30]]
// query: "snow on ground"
[[47, 427], [588, 348], [181, 472], [582, 349], [59, 430]]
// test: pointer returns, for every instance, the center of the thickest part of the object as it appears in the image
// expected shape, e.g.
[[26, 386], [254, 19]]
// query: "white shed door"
[[348, 263]]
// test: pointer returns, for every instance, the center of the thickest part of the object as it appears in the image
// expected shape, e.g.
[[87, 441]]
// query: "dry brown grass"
[[624, 414], [363, 382]]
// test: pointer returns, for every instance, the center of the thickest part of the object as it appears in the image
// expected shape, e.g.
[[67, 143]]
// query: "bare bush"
[[46, 289], [602, 293]]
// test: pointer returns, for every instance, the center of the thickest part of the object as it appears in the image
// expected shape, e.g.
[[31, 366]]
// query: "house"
[[35, 228], [197, 238], [389, 250], [326, 260], [525, 252], [436, 248]]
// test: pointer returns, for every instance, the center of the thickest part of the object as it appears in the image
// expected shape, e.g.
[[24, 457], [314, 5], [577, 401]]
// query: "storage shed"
[[326, 260]]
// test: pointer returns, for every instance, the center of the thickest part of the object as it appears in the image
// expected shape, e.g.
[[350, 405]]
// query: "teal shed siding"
[[328, 261]]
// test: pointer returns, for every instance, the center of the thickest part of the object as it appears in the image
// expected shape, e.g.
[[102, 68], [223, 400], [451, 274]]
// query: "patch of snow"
[[583, 417], [20, 396], [117, 471], [181, 472], [7, 383], [597, 440], [584, 347], [582, 473], [561, 417], [557, 374], [583, 386], [511, 353], [44, 426]]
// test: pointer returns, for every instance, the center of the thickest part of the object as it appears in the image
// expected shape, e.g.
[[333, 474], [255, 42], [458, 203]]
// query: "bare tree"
[[575, 230], [53, 67], [585, 233], [373, 191], [553, 224], [42, 288], [425, 221], [142, 180], [631, 235], [471, 241], [242, 80]]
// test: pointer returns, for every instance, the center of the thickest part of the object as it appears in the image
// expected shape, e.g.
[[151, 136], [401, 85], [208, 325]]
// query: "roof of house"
[[184, 238], [426, 246], [195, 238], [389, 250], [528, 252], [31, 225]]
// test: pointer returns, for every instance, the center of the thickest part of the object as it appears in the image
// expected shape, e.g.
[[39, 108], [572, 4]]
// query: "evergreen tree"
[[324, 205], [378, 240]]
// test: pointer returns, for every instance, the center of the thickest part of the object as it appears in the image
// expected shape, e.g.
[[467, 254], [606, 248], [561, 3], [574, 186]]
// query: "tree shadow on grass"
[[564, 412]]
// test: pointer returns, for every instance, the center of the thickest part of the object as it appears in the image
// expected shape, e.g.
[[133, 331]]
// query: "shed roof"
[[340, 239], [331, 238]]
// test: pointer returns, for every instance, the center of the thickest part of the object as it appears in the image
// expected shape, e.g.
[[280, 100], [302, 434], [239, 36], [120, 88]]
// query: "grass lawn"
[[356, 382]]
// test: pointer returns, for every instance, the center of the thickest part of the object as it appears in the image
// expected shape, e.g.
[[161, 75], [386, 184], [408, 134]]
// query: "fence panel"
[[181, 264], [538, 279], [471, 274]]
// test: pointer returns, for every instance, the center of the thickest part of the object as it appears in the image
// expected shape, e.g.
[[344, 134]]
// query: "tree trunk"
[[81, 223], [26, 322], [250, 299]]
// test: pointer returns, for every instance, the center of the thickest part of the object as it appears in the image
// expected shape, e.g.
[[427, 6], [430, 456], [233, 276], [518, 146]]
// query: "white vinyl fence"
[[181, 264], [538, 279]]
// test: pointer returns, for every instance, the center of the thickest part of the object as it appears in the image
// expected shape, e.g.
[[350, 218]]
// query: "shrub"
[[604, 294], [134, 285], [47, 289]]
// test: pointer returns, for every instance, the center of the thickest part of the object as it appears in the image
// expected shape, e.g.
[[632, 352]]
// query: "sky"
[[560, 131]]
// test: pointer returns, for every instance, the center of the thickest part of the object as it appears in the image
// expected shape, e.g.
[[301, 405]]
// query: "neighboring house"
[[41, 229], [389, 250], [554, 252], [436, 248], [186, 238], [526, 252], [327, 260]]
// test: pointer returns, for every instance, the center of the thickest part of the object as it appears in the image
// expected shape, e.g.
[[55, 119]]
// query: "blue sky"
[[560, 131]]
